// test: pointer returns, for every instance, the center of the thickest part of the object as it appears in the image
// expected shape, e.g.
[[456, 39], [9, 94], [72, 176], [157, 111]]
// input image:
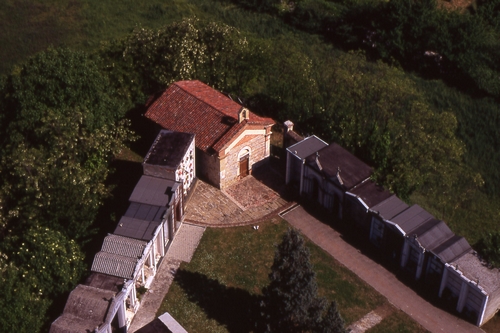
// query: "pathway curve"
[[181, 249], [431, 318]]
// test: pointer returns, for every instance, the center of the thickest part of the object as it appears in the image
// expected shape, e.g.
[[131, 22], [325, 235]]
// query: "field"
[[219, 290]]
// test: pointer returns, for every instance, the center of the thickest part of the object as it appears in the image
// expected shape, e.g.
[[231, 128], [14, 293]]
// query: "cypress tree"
[[291, 302], [332, 321]]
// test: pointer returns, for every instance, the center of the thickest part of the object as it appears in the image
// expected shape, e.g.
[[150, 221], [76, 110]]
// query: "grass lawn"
[[219, 290]]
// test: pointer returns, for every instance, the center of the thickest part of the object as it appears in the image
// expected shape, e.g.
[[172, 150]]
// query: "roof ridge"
[[205, 101]]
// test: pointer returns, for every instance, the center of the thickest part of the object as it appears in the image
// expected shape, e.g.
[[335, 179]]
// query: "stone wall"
[[256, 144], [208, 167]]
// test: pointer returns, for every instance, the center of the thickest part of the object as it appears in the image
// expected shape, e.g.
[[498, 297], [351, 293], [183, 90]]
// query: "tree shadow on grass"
[[235, 308]]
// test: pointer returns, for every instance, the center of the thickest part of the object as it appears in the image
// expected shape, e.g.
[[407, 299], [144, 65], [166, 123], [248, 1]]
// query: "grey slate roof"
[[432, 233], [332, 158], [306, 147], [412, 218], [452, 249], [115, 265], [123, 246], [145, 212], [136, 228], [370, 193], [85, 309], [168, 149], [152, 191], [390, 207]]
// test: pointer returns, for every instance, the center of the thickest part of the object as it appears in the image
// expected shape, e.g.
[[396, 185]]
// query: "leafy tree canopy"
[[21, 308], [59, 182], [214, 53], [60, 80]]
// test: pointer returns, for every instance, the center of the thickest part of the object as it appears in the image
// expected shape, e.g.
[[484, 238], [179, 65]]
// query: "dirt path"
[[402, 297]]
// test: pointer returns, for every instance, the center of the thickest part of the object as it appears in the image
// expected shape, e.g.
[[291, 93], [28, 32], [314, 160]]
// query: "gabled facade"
[[328, 173], [358, 202], [230, 139], [296, 157]]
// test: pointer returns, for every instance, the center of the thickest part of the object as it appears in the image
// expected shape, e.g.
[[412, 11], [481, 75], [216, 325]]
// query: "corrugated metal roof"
[[334, 158], [370, 193], [145, 212], [169, 149], [412, 218], [152, 191], [124, 246], [136, 228], [306, 147], [390, 207], [115, 265], [452, 249]]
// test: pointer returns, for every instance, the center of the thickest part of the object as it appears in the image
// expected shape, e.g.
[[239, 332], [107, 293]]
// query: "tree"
[[21, 309], [60, 80], [378, 113], [489, 248], [214, 53], [332, 321], [59, 182], [291, 303]]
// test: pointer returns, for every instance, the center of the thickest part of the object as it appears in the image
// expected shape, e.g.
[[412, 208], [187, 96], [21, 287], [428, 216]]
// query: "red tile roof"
[[194, 107]]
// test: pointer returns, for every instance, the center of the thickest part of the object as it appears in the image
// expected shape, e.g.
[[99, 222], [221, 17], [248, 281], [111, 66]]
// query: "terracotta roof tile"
[[194, 107]]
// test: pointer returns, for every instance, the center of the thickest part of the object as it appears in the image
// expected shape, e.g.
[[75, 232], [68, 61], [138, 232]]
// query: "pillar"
[[420, 265], [405, 253], [122, 318], [462, 298], [444, 280]]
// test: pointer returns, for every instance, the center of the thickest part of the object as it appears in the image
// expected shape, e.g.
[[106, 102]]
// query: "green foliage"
[[211, 52], [291, 303], [489, 248], [286, 82], [377, 112], [59, 182], [60, 129], [57, 79], [21, 308], [332, 322], [51, 262]]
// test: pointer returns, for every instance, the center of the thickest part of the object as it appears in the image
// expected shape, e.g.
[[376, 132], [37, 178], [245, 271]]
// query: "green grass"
[[218, 291], [397, 322]]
